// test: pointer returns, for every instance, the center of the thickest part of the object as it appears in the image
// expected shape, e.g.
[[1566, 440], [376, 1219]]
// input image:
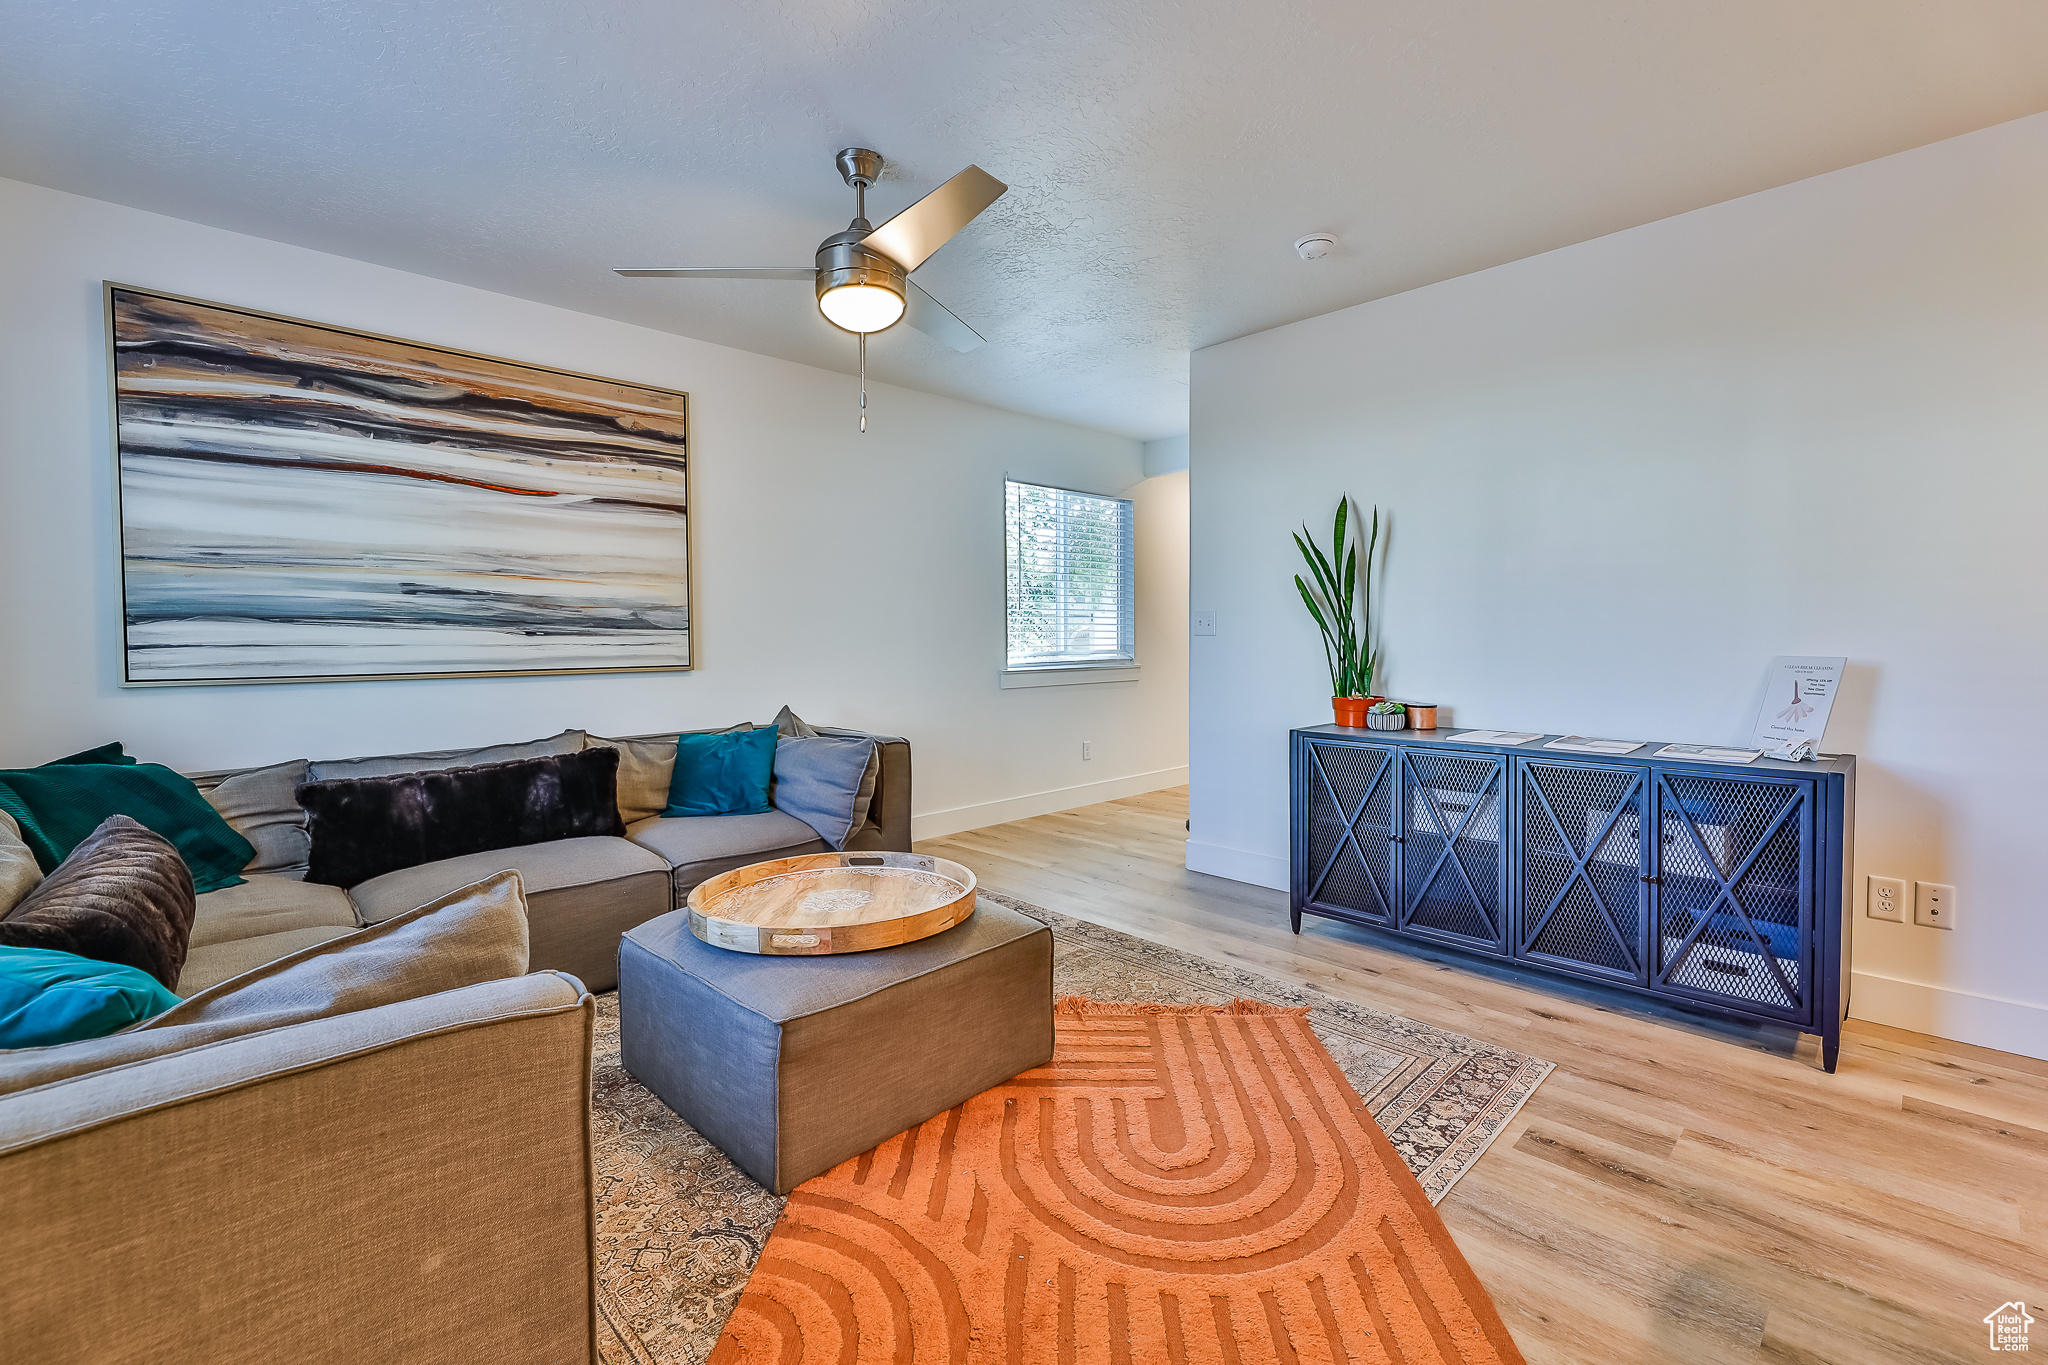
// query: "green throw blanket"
[[60, 803]]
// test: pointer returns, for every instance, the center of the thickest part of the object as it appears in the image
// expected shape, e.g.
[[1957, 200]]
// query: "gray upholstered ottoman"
[[793, 1064]]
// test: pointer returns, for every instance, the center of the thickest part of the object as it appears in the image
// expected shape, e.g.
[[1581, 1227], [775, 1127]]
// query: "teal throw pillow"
[[50, 997], [59, 804], [723, 774]]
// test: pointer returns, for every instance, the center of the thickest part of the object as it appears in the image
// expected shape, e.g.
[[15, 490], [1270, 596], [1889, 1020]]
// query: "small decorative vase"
[[1421, 715], [1351, 710], [1398, 720]]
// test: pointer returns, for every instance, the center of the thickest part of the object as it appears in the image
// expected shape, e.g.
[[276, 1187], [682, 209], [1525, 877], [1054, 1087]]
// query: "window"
[[1069, 557]]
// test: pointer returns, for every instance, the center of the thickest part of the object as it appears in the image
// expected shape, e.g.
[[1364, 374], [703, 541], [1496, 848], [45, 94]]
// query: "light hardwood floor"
[[1667, 1195]]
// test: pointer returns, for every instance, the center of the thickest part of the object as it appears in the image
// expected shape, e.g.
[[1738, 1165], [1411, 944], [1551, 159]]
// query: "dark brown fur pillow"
[[363, 827], [124, 895]]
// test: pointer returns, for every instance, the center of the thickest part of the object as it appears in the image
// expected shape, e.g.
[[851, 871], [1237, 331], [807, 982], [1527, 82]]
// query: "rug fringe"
[[1081, 1007]]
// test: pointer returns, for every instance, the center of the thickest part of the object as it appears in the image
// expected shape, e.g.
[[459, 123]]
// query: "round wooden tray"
[[831, 903]]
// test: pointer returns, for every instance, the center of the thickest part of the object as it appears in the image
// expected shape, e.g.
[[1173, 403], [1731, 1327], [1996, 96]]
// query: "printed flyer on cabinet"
[[1799, 691]]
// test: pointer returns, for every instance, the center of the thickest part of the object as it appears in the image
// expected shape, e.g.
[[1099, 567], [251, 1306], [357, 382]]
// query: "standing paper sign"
[[1799, 691]]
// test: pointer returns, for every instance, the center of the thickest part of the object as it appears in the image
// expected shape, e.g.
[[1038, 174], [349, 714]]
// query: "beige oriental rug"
[[680, 1228]]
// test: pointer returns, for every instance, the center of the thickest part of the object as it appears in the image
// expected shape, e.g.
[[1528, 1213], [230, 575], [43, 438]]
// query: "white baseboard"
[[1984, 1020], [939, 823], [1238, 864]]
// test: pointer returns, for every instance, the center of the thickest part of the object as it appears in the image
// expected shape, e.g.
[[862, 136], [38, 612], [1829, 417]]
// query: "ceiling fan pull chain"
[[863, 382]]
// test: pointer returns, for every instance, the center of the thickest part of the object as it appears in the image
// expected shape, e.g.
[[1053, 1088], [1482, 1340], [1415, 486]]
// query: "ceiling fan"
[[862, 275]]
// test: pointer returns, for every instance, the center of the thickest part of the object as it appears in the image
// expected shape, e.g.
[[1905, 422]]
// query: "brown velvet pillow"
[[363, 827], [124, 895]]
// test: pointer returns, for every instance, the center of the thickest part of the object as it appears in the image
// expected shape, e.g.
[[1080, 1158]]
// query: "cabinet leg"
[[1294, 917], [1830, 1049]]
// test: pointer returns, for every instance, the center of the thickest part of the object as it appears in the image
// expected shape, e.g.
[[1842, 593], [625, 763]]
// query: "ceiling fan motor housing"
[[842, 261]]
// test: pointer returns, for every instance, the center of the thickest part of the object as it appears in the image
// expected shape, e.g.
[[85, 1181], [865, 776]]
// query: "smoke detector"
[[1315, 246]]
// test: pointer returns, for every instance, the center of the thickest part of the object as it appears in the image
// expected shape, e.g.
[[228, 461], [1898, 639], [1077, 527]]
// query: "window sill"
[[1063, 677]]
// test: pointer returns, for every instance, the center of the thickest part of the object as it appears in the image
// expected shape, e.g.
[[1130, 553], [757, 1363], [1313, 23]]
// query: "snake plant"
[[1341, 611]]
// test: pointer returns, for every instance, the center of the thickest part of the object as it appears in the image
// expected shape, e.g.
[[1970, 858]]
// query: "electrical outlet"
[[1887, 899], [1204, 623], [1087, 750], [1934, 905]]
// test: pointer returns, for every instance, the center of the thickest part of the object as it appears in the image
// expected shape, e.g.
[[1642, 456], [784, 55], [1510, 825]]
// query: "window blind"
[[1070, 596]]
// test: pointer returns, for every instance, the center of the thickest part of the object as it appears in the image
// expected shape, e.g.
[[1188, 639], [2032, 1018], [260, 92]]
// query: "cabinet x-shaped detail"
[[1726, 892], [1532, 932]]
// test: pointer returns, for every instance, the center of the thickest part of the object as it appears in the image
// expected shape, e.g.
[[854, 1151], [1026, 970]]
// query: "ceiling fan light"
[[861, 307]]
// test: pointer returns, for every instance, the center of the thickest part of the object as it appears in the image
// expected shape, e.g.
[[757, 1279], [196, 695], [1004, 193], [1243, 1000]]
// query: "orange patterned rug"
[[1182, 1184]]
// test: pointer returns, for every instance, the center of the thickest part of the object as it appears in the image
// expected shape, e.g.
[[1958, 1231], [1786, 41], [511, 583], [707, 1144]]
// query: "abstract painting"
[[309, 503]]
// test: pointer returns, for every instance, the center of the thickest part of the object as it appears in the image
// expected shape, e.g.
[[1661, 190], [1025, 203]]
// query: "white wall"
[[1167, 455], [1162, 569], [1622, 476], [1144, 713], [858, 579]]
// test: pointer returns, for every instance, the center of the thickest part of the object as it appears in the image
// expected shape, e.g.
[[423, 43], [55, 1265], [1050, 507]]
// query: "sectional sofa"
[[371, 1150], [582, 894]]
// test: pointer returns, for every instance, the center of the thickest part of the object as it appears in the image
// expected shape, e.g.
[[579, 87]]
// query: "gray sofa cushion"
[[214, 963], [383, 765], [888, 822], [826, 781], [889, 749], [686, 839], [701, 846], [477, 934], [793, 1064], [268, 904], [790, 725], [581, 894], [261, 807]]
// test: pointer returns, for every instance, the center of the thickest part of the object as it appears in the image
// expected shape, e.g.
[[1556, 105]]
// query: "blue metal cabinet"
[[1719, 888]]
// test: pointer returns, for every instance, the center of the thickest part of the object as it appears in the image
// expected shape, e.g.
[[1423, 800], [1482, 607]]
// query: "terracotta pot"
[[1351, 710]]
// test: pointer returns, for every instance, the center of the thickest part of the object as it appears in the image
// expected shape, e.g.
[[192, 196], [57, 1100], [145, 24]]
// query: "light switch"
[[1205, 623]]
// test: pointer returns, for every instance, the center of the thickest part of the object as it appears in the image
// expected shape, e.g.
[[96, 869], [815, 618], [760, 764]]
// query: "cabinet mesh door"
[[1582, 867], [1450, 851], [1351, 820], [1731, 902]]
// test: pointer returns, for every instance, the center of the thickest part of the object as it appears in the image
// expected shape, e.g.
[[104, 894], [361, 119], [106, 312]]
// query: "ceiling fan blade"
[[806, 273], [934, 319], [914, 234]]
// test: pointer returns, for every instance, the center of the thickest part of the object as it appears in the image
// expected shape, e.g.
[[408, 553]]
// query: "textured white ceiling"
[[1163, 156]]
